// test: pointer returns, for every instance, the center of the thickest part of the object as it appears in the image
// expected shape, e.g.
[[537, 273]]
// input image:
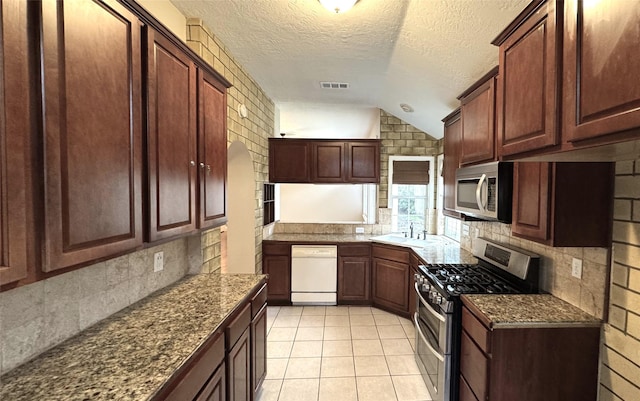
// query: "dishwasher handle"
[[314, 251]]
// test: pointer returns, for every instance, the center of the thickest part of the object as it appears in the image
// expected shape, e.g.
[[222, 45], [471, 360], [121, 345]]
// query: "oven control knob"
[[438, 299], [433, 295], [419, 279], [426, 287]]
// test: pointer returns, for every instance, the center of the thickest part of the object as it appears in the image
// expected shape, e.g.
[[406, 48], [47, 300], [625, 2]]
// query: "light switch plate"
[[576, 268], [359, 230], [158, 261]]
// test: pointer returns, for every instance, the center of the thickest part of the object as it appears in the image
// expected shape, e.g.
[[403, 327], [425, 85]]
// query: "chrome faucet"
[[411, 230]]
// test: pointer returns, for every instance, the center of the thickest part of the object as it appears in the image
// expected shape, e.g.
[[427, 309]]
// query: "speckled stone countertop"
[[534, 310], [329, 238], [131, 354], [435, 249]]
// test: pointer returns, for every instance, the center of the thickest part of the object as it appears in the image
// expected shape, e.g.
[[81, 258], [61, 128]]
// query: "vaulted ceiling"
[[420, 52]]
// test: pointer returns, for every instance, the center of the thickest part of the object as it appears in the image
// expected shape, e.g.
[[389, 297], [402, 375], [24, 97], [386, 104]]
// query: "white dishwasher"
[[314, 274]]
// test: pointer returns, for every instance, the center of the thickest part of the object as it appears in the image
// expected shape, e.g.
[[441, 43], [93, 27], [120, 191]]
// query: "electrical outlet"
[[465, 230], [158, 261], [576, 268], [359, 230]]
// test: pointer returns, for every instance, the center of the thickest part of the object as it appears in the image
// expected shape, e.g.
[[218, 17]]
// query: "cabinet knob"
[[201, 165], [192, 163]]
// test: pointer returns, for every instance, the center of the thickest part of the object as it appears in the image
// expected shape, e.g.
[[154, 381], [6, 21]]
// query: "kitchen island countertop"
[[528, 310], [131, 354]]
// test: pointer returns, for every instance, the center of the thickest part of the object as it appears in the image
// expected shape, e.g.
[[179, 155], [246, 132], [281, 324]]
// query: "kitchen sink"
[[400, 239]]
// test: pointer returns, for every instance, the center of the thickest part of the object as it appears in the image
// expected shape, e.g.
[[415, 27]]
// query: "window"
[[410, 193]]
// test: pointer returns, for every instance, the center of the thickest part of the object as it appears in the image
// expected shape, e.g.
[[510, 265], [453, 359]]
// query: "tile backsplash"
[[587, 293], [36, 317]]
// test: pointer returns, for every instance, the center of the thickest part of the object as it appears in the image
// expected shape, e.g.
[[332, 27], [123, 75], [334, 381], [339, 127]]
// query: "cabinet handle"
[[192, 163], [201, 165]]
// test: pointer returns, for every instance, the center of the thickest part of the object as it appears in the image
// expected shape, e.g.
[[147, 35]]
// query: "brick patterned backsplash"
[[399, 138], [620, 358]]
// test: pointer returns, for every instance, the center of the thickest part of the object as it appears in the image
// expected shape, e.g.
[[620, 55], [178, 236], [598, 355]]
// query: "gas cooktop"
[[466, 279]]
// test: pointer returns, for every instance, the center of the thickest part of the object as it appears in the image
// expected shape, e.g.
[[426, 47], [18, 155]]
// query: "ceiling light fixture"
[[338, 6], [406, 108]]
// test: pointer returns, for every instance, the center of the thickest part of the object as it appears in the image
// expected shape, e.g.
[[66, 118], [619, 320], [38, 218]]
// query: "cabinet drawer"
[[199, 372], [238, 326], [474, 367], [476, 330], [465, 391], [354, 250], [258, 301], [276, 249], [389, 253]]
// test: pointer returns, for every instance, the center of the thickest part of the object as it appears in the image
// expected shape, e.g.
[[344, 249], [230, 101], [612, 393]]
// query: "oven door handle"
[[424, 339], [426, 304]]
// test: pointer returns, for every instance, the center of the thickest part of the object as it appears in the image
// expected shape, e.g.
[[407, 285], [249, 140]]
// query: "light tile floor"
[[340, 353]]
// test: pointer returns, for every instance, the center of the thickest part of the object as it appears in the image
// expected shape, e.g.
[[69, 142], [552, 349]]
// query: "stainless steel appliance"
[[485, 191], [438, 321]]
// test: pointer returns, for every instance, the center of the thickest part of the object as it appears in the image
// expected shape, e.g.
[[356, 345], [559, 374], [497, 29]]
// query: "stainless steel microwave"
[[485, 191]]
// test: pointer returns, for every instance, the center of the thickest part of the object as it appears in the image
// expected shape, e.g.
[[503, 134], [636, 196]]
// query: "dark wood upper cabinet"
[[212, 145], [171, 140], [289, 160], [528, 102], [563, 204], [601, 63], [478, 120], [328, 161], [451, 161], [16, 137], [324, 161], [91, 76], [363, 161]]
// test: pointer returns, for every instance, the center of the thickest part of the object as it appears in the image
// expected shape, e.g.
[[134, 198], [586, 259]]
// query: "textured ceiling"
[[420, 52]]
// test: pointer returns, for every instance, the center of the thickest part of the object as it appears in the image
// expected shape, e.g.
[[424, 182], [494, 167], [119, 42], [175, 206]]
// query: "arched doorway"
[[240, 236]]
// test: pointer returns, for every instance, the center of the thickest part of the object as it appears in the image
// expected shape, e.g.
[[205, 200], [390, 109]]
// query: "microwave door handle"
[[479, 193]]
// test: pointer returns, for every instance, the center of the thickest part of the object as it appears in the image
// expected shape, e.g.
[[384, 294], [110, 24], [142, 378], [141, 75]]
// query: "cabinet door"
[[528, 84], [258, 349], [601, 64], [171, 140], [390, 285], [212, 136], [239, 370], [363, 162], [531, 200], [15, 141], [474, 367], [328, 162], [92, 131], [215, 387], [451, 162], [289, 160], [278, 268], [354, 279], [478, 124]]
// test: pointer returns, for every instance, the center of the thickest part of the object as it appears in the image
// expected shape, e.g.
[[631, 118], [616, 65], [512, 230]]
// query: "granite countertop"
[[131, 354], [433, 249], [329, 238], [530, 310]]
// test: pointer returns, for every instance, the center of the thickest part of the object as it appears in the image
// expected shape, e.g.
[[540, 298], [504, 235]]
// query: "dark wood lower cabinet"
[[276, 262], [390, 278], [354, 274], [215, 388], [259, 349], [527, 363], [239, 370]]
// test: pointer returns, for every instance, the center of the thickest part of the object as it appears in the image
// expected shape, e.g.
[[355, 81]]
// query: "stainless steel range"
[[501, 269]]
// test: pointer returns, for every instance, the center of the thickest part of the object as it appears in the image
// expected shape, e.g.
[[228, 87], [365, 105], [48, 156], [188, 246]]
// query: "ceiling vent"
[[334, 85]]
